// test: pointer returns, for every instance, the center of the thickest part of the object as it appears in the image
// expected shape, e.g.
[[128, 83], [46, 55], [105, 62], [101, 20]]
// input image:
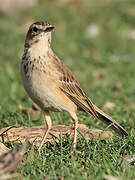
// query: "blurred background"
[[94, 38]]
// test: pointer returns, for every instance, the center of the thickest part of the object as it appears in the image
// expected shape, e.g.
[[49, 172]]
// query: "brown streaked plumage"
[[51, 85]]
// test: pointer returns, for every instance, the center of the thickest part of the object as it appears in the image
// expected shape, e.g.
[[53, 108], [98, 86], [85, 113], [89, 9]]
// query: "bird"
[[51, 85]]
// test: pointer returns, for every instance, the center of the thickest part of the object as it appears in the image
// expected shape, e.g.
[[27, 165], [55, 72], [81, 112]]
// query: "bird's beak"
[[48, 29]]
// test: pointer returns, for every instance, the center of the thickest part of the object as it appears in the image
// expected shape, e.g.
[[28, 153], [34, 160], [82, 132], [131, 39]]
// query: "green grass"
[[112, 51]]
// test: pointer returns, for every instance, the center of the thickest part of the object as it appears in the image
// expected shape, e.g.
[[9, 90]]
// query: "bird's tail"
[[84, 103], [109, 121]]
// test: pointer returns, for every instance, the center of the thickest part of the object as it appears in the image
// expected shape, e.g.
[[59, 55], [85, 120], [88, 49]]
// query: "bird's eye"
[[34, 29]]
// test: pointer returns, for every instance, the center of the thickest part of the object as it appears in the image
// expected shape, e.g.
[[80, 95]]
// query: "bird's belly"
[[45, 94]]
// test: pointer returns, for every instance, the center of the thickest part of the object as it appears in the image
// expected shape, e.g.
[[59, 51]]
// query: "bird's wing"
[[69, 86]]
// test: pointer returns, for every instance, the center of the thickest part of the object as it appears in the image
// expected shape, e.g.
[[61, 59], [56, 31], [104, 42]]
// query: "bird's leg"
[[75, 120], [48, 127]]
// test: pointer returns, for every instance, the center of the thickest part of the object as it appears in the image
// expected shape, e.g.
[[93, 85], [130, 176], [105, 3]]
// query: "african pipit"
[[51, 85]]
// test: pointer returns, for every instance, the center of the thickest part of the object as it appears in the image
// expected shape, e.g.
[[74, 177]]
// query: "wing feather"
[[69, 86]]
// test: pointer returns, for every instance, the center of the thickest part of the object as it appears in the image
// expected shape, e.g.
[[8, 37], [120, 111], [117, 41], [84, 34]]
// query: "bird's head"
[[39, 31]]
